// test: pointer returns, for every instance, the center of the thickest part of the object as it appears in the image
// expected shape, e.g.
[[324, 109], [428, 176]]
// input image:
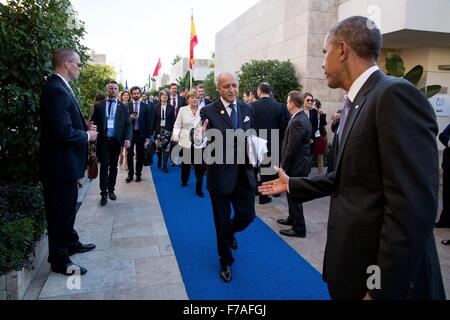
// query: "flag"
[[126, 85], [158, 66], [194, 42]]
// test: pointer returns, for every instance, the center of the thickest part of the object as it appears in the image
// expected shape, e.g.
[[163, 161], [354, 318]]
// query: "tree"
[[212, 64], [30, 30], [279, 74], [93, 80], [210, 86], [395, 67], [185, 81]]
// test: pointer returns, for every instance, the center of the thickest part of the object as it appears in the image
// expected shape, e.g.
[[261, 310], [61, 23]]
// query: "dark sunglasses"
[[309, 100], [78, 64]]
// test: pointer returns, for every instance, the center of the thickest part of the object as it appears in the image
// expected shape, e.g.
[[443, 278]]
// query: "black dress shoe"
[[164, 170], [225, 273], [138, 179], [234, 244], [103, 200], [69, 269], [265, 200], [285, 222], [128, 179], [200, 194], [183, 184], [112, 195], [292, 233], [82, 248]]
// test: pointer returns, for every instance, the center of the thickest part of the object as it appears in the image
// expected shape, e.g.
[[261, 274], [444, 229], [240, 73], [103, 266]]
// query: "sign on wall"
[[441, 105]]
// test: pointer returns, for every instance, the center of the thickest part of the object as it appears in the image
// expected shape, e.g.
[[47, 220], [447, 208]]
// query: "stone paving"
[[134, 257]]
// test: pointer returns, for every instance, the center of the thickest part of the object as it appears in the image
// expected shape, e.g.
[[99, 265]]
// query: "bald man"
[[63, 160], [229, 183]]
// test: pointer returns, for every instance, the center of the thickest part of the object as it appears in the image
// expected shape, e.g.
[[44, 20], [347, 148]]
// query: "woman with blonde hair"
[[187, 119]]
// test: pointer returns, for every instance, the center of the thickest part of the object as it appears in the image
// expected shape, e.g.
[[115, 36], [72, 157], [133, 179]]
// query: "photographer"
[[163, 121]]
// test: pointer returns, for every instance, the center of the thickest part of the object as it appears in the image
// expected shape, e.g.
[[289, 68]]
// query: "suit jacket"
[[222, 177], [296, 146], [181, 102], [269, 114], [145, 118], [384, 195], [313, 117], [170, 118], [122, 122], [207, 101], [444, 137], [64, 140]]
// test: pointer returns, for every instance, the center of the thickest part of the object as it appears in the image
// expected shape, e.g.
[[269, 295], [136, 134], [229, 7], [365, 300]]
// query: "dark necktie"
[[163, 115], [343, 118], [109, 115], [234, 116], [109, 107], [174, 102]]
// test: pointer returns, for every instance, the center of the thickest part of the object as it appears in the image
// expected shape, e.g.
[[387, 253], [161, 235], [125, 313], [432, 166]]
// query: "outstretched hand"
[[277, 186]]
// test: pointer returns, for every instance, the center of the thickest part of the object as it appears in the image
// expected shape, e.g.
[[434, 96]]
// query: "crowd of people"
[[383, 189]]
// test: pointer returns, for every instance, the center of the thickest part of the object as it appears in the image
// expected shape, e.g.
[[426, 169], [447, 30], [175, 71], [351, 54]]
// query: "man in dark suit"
[[296, 160], [202, 101], [63, 160], [112, 119], [163, 122], [444, 220], [177, 102], [384, 188], [268, 115], [141, 116], [229, 182]]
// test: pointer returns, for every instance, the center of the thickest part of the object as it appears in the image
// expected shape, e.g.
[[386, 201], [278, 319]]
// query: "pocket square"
[[247, 118]]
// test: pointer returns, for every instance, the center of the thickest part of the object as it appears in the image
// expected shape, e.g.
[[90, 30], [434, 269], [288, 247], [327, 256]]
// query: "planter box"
[[14, 284]]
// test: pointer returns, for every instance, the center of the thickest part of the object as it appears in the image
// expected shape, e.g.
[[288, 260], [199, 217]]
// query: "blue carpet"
[[266, 268]]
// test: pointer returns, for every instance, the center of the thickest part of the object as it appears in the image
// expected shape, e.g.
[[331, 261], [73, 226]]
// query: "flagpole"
[[192, 65]]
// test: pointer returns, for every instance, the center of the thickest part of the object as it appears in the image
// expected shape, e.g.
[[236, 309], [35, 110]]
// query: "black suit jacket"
[[384, 195], [170, 118], [64, 140], [313, 117], [444, 137], [222, 177], [296, 146], [145, 118], [181, 102], [269, 114], [122, 122]]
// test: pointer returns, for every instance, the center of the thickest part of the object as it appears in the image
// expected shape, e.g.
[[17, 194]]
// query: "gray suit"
[[384, 195]]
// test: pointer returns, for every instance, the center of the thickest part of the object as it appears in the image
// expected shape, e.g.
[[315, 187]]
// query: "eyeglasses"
[[78, 64]]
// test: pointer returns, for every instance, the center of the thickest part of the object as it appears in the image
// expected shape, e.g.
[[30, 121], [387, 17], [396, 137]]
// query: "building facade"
[[295, 30]]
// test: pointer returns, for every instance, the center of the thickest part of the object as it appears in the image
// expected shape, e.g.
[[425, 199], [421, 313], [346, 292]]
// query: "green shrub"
[[17, 240], [279, 74], [30, 30]]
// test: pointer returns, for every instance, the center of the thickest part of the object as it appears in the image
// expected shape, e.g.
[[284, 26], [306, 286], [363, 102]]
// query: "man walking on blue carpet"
[[229, 183], [385, 182]]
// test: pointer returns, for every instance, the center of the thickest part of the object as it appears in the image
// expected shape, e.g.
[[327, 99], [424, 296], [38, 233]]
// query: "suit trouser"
[[296, 214], [60, 199], [199, 168], [139, 142], [108, 157], [243, 201]]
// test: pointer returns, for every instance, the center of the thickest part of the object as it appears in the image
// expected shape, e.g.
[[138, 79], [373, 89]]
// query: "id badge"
[[163, 123], [317, 134], [110, 124]]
